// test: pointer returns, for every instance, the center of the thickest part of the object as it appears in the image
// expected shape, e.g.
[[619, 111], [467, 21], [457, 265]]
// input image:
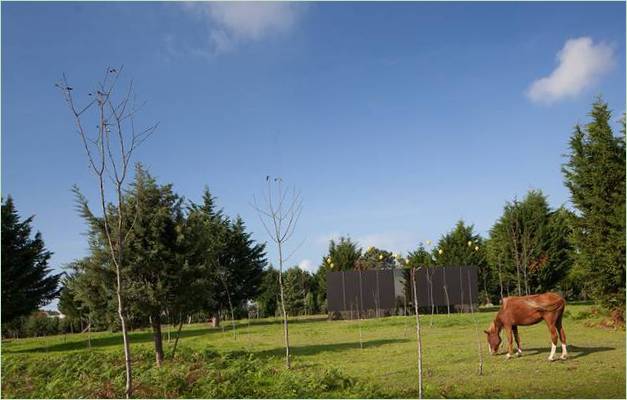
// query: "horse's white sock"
[[564, 352], [553, 347]]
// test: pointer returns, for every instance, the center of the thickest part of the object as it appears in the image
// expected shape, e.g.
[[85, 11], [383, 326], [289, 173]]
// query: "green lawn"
[[327, 362]]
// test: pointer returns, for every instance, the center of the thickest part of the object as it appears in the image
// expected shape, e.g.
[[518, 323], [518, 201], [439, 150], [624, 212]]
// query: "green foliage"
[[297, 284], [177, 260], [595, 176], [26, 280], [374, 258], [462, 247], [342, 255], [528, 250], [268, 297]]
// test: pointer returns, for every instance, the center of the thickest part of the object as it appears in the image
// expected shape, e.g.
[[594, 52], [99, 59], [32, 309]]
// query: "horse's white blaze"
[[553, 347]]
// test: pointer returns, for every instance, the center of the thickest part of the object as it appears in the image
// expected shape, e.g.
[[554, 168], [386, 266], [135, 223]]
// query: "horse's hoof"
[[551, 359], [508, 356], [563, 357], [519, 354]]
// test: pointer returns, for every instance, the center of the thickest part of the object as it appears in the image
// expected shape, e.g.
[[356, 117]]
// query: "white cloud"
[[307, 265], [231, 23], [581, 64]]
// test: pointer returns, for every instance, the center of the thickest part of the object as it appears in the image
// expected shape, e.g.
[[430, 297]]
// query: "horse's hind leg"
[[515, 330], [553, 330], [562, 337]]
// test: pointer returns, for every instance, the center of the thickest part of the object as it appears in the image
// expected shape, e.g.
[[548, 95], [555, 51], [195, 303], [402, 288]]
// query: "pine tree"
[[462, 247], [27, 283], [595, 176]]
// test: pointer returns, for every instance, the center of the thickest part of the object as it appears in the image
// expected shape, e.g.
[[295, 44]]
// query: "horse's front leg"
[[508, 332], [517, 338]]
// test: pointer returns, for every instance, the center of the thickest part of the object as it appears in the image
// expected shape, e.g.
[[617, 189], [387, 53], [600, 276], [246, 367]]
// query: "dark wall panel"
[[367, 290]]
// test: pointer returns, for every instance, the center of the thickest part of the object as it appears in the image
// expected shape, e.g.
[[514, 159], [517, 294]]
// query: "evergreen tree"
[[462, 247], [419, 258], [297, 285], [595, 176], [268, 296], [342, 255], [528, 250], [374, 258], [27, 283], [152, 246]]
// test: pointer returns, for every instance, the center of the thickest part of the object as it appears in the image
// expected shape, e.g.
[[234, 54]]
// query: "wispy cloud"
[[307, 265], [232, 23], [581, 65]]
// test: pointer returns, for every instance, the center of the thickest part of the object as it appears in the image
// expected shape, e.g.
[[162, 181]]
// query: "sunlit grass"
[[215, 362]]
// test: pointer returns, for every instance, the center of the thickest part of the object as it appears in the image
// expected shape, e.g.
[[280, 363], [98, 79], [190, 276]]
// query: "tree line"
[[155, 258]]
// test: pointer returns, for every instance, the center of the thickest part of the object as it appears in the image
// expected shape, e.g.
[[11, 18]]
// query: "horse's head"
[[494, 339]]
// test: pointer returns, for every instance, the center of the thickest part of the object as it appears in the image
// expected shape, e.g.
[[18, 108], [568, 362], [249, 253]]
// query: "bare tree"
[[279, 216], [109, 149], [222, 277], [418, 338], [476, 325]]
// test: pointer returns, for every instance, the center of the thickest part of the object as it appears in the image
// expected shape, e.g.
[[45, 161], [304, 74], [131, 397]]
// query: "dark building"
[[382, 292]]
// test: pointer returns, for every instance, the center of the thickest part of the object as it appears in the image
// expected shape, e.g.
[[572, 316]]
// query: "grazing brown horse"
[[528, 310]]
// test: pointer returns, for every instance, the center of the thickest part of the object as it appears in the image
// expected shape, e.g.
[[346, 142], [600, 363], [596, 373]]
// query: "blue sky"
[[394, 120]]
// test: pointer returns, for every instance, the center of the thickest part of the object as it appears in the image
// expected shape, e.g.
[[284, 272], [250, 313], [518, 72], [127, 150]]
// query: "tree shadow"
[[573, 351], [279, 320], [108, 341], [313, 349], [145, 336]]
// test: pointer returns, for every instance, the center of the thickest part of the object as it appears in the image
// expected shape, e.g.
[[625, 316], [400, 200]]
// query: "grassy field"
[[327, 361]]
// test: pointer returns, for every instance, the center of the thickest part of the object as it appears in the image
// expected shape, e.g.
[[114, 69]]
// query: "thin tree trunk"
[[361, 338], [156, 332], [476, 328], [448, 302], [178, 335], [461, 288], [418, 338], [228, 296], [285, 328], [498, 265]]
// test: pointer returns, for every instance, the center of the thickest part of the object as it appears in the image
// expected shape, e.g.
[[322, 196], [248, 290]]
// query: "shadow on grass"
[[109, 340], [115, 339], [309, 350], [573, 351]]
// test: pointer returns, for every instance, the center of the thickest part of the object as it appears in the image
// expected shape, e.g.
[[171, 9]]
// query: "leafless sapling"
[[279, 215], [418, 338], [109, 148]]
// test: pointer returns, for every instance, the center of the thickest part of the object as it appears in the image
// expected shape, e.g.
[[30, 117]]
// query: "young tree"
[[27, 283], [420, 258], [595, 176], [418, 337], [279, 217], [109, 151]]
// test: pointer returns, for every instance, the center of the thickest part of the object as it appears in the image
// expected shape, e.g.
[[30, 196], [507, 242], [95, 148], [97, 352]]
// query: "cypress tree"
[[26, 280], [595, 176]]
